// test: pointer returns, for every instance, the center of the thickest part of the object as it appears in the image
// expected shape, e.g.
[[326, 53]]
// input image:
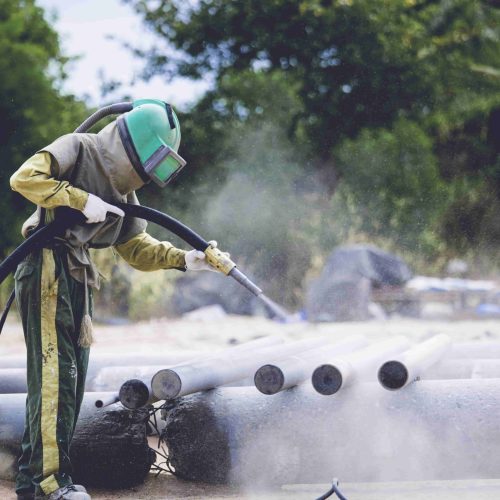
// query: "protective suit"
[[54, 289]]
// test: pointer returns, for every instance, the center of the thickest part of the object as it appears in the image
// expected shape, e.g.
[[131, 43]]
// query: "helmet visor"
[[164, 165]]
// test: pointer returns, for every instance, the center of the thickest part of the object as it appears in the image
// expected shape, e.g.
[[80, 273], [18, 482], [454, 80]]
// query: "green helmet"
[[151, 136]]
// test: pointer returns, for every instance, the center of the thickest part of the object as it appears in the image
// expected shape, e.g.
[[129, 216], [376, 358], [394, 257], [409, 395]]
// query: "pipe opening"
[[269, 379], [166, 384], [327, 379], [393, 375]]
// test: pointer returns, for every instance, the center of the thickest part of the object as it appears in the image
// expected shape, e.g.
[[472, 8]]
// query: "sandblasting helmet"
[[151, 136]]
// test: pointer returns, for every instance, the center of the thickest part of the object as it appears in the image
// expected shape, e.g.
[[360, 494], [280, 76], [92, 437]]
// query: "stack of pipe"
[[274, 366], [222, 369], [351, 373]]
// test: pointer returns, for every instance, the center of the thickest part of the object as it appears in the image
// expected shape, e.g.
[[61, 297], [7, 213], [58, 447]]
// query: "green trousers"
[[52, 305]]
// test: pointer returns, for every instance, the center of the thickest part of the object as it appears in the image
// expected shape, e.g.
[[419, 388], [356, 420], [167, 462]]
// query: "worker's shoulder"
[[70, 146], [68, 149]]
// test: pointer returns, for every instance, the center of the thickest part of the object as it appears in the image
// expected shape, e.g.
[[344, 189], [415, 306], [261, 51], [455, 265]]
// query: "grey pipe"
[[291, 371], [222, 369], [342, 371], [410, 365]]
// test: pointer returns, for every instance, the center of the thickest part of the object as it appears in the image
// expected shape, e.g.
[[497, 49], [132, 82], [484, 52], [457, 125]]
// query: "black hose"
[[112, 109], [5, 312], [173, 225], [331, 491], [66, 217]]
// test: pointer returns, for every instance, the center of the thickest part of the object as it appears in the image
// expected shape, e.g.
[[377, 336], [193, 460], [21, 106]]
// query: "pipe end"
[[269, 379], [166, 384], [393, 375], [134, 394], [327, 379]]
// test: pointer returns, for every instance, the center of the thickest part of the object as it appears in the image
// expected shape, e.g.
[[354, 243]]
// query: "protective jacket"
[[64, 172]]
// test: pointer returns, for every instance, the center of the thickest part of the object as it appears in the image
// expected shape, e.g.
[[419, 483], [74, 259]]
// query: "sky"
[[85, 27]]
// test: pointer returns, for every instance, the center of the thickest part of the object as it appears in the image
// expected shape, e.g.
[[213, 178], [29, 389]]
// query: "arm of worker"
[[36, 181], [145, 253]]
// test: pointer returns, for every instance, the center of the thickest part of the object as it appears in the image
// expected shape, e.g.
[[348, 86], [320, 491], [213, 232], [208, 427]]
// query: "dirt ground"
[[169, 488], [205, 335]]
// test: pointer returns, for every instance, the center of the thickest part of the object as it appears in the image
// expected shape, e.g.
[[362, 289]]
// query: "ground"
[[205, 335]]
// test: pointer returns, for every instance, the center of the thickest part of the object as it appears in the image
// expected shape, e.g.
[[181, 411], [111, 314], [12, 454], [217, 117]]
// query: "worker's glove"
[[196, 260], [96, 209]]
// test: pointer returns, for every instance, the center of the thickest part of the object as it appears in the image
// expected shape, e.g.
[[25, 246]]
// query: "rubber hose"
[[173, 225], [112, 109], [333, 490], [68, 217]]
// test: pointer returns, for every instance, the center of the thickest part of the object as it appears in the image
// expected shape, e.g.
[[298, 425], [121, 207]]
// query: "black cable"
[[332, 490]]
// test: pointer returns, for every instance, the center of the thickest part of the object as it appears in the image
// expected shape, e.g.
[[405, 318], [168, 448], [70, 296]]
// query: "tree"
[[359, 69], [33, 110]]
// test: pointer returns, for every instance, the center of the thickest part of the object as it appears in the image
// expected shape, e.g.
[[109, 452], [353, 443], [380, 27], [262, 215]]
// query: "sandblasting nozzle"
[[219, 260]]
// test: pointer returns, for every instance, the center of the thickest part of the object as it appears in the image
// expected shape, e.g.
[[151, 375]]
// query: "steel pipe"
[[134, 394], [221, 369], [329, 378], [291, 371], [107, 399], [411, 364]]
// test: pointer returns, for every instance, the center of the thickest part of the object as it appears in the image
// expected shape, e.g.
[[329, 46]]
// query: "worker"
[[87, 172]]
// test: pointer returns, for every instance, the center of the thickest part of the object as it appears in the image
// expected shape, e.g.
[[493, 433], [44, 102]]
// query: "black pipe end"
[[134, 394], [393, 375], [327, 379], [269, 379]]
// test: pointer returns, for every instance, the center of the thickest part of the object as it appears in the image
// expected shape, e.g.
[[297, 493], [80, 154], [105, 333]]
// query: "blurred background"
[[321, 136]]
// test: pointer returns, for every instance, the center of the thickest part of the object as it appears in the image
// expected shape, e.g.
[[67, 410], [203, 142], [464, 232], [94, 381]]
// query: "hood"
[[121, 172]]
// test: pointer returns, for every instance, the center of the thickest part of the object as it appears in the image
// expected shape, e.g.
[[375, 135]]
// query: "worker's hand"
[[196, 260], [96, 209]]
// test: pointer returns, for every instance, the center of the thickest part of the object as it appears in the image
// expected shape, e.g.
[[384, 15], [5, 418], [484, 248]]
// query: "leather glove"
[[196, 260], [96, 209]]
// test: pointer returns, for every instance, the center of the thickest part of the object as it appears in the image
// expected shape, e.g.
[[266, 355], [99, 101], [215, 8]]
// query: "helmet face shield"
[[164, 165], [151, 136]]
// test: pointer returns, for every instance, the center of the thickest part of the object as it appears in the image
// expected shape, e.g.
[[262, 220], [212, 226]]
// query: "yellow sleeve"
[[145, 253], [35, 181]]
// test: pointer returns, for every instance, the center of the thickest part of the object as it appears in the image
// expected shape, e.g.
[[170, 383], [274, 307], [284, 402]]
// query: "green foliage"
[[33, 112], [398, 99], [392, 180], [357, 63]]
